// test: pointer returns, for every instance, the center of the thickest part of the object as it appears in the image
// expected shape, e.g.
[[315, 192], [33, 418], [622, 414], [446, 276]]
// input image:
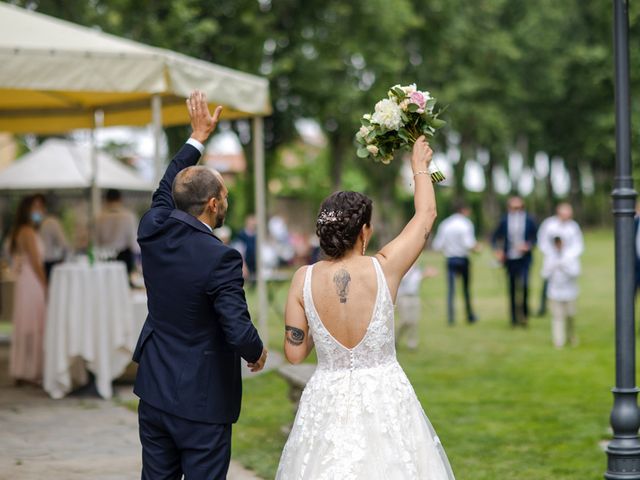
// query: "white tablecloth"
[[90, 320]]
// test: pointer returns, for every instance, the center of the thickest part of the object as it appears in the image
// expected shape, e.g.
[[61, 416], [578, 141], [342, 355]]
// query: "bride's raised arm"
[[398, 255]]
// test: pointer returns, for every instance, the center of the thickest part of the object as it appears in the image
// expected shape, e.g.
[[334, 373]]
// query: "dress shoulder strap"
[[383, 286], [379, 272], [306, 290]]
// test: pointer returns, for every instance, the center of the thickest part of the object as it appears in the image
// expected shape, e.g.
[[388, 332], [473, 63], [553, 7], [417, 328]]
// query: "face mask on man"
[[36, 217]]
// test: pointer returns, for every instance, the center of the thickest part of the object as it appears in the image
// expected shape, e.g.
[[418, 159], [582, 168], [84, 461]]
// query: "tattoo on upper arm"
[[342, 280], [427, 232], [294, 335]]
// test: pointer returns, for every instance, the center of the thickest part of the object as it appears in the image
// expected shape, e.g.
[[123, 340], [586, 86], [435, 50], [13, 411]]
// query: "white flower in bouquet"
[[396, 123], [364, 131], [387, 159], [409, 89], [387, 114]]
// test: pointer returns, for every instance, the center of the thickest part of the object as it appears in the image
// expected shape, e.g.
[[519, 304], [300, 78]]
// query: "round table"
[[90, 322]]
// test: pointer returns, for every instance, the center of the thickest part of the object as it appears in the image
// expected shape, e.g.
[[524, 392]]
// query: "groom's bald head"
[[194, 186]]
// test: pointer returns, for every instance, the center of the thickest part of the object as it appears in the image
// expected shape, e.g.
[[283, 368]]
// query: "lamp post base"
[[623, 465], [624, 450]]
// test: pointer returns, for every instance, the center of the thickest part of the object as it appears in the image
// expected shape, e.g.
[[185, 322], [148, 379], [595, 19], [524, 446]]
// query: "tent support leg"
[[94, 201], [156, 118], [261, 216]]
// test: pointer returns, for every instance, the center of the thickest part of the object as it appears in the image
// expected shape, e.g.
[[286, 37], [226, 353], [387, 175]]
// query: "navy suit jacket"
[[198, 325], [500, 235]]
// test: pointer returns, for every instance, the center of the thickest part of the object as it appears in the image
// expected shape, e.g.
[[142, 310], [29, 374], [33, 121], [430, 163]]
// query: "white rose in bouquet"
[[387, 114]]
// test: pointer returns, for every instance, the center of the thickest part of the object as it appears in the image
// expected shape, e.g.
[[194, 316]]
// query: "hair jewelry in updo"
[[342, 215]]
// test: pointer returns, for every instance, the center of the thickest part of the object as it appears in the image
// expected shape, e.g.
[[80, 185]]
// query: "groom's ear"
[[213, 204]]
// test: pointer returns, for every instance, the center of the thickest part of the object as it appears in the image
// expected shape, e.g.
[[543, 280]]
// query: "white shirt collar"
[[206, 225]]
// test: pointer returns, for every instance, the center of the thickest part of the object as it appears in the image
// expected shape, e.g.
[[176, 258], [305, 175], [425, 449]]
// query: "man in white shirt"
[[456, 238], [563, 226], [561, 268], [116, 229]]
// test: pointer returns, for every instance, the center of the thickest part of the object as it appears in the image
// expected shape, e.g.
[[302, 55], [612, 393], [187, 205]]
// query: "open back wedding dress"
[[359, 417]]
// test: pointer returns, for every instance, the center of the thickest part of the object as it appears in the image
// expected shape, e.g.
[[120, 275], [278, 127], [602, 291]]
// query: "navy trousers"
[[518, 276], [173, 446], [458, 266], [543, 298]]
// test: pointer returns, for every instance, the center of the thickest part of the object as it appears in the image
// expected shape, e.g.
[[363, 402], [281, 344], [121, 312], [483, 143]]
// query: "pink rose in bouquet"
[[419, 99]]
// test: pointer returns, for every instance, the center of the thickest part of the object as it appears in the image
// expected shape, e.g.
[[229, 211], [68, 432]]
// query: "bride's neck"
[[351, 254]]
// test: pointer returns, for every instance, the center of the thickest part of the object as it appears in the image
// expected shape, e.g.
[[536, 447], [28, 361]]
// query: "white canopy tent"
[[56, 76], [64, 165]]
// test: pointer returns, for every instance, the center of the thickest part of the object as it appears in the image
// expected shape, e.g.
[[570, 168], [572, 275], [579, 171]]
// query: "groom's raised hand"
[[259, 364], [203, 124]]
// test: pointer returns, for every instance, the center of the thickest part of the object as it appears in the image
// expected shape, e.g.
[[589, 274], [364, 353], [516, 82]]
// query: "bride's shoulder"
[[381, 259], [299, 275], [297, 283]]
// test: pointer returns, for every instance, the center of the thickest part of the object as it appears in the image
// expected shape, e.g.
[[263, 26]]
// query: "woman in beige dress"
[[26, 362]]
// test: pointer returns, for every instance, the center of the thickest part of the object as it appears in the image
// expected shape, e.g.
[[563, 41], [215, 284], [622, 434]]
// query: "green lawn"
[[505, 403], [5, 328]]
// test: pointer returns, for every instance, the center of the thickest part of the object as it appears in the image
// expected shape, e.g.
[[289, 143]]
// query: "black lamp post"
[[624, 450]]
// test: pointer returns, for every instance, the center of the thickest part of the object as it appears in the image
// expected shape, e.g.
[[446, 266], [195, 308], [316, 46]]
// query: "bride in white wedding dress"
[[359, 417]]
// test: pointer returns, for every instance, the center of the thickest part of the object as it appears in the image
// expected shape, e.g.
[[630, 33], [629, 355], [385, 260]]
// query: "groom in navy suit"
[[198, 325], [512, 241]]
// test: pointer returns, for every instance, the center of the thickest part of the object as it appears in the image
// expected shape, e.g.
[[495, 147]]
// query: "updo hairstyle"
[[340, 220]]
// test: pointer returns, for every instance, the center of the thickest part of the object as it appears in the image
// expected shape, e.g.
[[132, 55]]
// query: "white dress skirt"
[[359, 417]]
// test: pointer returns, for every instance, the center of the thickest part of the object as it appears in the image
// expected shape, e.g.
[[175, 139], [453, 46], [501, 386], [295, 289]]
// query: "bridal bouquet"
[[396, 123]]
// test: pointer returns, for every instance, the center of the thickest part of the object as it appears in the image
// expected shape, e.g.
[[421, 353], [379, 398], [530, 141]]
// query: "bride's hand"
[[421, 156]]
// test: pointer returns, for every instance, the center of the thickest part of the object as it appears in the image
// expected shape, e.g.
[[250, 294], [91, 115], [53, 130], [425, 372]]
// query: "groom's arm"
[[187, 156], [227, 295]]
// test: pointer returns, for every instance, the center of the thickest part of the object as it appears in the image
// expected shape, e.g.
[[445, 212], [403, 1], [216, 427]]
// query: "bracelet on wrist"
[[420, 172]]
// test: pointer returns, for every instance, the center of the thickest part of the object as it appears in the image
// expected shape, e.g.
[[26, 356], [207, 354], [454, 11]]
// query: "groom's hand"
[[259, 364], [203, 123]]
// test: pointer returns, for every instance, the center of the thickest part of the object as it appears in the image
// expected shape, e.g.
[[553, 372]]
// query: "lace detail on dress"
[[359, 418]]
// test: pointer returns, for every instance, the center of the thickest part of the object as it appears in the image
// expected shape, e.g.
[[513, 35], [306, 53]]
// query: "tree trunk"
[[491, 208], [338, 145], [176, 136], [249, 188], [575, 191]]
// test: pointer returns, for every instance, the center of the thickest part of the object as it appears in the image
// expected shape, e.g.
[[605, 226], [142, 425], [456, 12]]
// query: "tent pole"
[[94, 204], [156, 118], [261, 215]]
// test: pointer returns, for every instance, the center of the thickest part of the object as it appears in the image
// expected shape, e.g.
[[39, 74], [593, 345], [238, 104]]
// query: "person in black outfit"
[[512, 242]]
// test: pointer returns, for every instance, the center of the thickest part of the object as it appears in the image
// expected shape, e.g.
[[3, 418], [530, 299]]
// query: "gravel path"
[[69, 439]]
